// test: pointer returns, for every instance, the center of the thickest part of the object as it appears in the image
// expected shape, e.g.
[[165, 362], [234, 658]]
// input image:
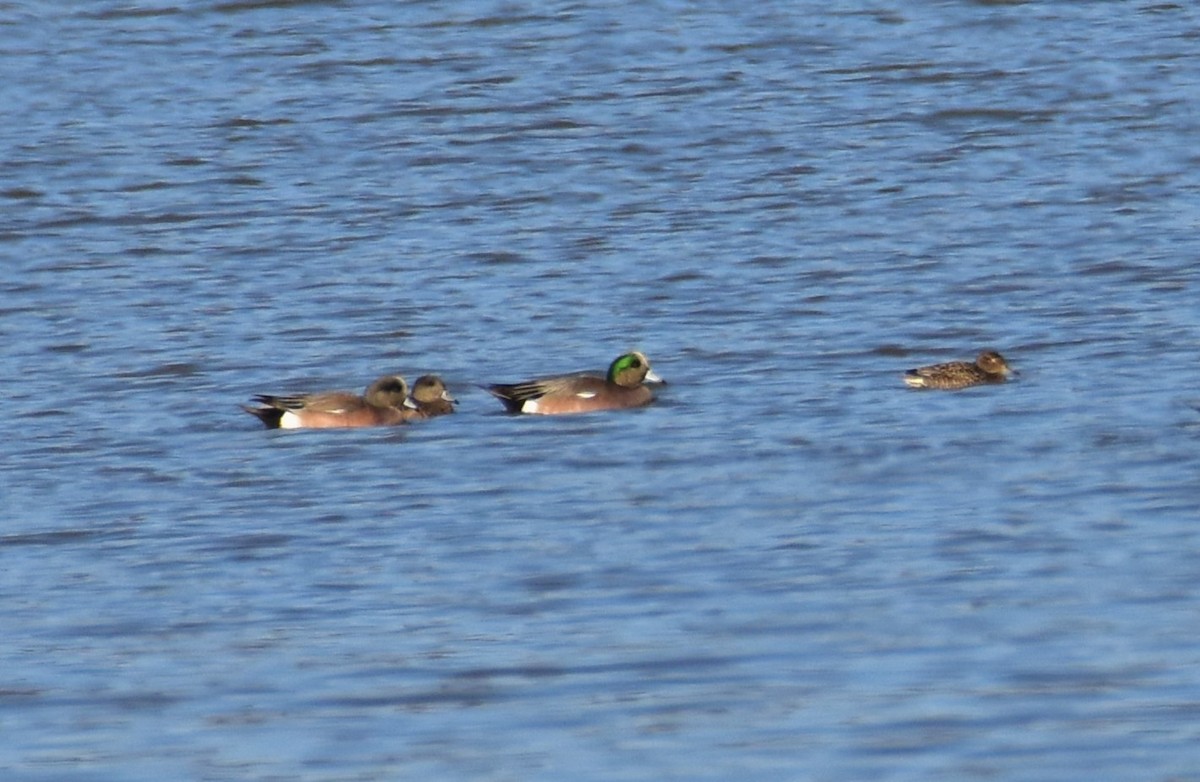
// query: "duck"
[[623, 386], [382, 404], [989, 367], [429, 398]]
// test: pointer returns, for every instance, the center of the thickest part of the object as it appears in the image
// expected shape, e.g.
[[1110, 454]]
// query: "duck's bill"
[[652, 377]]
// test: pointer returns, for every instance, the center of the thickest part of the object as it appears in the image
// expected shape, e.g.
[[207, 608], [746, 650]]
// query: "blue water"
[[789, 567]]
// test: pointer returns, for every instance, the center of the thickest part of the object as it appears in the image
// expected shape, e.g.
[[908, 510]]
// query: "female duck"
[[429, 398], [383, 404], [989, 367]]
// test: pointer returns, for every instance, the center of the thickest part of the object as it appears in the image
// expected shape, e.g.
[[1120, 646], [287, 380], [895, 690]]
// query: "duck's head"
[[631, 370]]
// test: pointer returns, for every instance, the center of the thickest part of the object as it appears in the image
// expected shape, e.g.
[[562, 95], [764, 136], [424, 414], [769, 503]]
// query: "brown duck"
[[989, 367], [383, 404]]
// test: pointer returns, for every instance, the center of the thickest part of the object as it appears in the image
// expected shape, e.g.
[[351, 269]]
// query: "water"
[[789, 567]]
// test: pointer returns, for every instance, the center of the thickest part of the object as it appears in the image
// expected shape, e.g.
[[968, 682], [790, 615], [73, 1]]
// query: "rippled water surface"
[[789, 567]]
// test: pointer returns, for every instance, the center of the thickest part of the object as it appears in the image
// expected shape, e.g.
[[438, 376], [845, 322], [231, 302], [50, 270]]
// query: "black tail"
[[270, 416], [510, 395]]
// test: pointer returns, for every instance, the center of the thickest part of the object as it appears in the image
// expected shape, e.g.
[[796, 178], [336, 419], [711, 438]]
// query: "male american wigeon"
[[624, 386], [990, 367], [383, 404], [429, 398]]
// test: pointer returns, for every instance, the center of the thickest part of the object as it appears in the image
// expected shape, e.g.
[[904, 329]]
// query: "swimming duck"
[[429, 398], [623, 386], [383, 404], [989, 367]]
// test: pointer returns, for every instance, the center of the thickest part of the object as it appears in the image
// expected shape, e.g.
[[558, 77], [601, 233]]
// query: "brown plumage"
[[989, 367], [381, 405], [429, 398]]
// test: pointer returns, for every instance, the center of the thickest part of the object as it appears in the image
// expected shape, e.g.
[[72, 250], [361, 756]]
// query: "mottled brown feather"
[[989, 367]]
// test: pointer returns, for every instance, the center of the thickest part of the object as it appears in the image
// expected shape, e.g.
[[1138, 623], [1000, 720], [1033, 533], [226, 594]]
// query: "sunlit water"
[[789, 567]]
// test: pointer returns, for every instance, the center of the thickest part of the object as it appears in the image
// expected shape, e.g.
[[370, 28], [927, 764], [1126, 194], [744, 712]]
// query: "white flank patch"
[[530, 406], [916, 381], [289, 421], [586, 394]]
